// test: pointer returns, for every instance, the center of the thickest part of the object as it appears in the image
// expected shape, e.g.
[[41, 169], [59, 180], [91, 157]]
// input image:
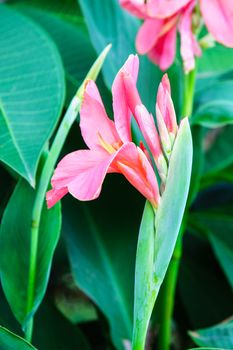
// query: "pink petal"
[[165, 8], [166, 106], [218, 17], [163, 53], [122, 114], [149, 131], [148, 35], [54, 195], [94, 121], [82, 173], [189, 44], [131, 92], [137, 8], [135, 166]]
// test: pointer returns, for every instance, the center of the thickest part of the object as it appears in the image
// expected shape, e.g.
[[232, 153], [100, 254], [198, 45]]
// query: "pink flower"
[[111, 149], [218, 17], [127, 102], [157, 35], [158, 144], [166, 116]]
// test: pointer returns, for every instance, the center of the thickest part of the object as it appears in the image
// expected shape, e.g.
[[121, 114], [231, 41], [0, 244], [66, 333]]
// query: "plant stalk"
[[169, 285], [168, 295], [189, 86], [41, 189], [47, 171]]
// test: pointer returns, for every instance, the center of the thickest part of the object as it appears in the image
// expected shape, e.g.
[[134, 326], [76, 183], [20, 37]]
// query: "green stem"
[[189, 86], [41, 189], [44, 180], [169, 285], [168, 295], [29, 330]]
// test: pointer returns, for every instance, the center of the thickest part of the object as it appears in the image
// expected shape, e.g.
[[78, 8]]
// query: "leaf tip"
[[94, 70]]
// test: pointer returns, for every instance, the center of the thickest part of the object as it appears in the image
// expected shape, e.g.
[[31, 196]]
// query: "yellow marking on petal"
[[167, 26], [109, 148]]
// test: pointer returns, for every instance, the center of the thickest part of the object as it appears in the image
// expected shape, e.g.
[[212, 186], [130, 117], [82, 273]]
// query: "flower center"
[[110, 148]]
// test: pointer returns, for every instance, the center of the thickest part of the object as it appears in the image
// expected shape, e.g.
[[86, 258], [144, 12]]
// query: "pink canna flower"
[[111, 149], [157, 35], [153, 8], [218, 17], [158, 144], [163, 19], [127, 102], [166, 107]]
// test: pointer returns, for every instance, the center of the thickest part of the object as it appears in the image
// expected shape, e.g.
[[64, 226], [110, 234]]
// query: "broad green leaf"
[[157, 237], [219, 227], [214, 106], [218, 154], [101, 240], [72, 42], [224, 175], [215, 61], [209, 349], [198, 162], [65, 9], [31, 92], [7, 318], [117, 28], [11, 341], [219, 336], [202, 287], [53, 332], [15, 237]]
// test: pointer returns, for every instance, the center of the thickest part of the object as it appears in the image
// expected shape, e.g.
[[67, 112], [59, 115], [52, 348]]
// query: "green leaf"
[[157, 237], [15, 237], [31, 92], [219, 336], [101, 241], [215, 61], [218, 153], [53, 332], [214, 106], [198, 162], [203, 289], [11, 341], [219, 227], [208, 349], [118, 28], [65, 9], [72, 42]]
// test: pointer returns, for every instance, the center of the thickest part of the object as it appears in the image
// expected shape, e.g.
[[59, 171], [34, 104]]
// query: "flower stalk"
[[43, 183]]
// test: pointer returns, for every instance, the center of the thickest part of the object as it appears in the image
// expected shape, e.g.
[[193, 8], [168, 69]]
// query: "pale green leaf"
[[31, 91], [218, 336], [214, 106], [157, 239]]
